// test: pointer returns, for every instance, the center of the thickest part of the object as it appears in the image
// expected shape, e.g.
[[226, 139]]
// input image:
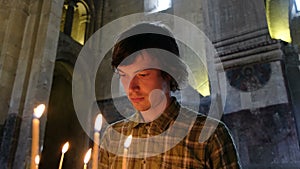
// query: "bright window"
[[297, 4], [153, 6]]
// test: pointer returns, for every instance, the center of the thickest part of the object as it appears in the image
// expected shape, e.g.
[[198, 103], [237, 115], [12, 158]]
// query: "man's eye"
[[143, 74]]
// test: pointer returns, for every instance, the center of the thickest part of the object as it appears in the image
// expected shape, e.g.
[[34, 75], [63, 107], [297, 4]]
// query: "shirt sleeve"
[[221, 149]]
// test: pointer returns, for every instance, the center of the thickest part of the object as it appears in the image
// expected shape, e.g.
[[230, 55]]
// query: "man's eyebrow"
[[137, 71]]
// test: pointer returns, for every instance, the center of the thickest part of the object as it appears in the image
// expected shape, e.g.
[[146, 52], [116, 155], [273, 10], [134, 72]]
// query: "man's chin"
[[140, 108]]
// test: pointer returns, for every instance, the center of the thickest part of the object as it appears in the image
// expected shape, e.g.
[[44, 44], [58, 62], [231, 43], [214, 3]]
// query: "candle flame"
[[37, 159], [87, 156], [128, 141], [65, 147], [39, 110], [98, 122]]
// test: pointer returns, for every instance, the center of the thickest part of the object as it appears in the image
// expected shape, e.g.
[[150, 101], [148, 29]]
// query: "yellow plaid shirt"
[[169, 147]]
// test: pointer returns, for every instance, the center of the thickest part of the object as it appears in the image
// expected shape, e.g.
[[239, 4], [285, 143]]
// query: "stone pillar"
[[14, 15], [252, 81], [69, 18], [292, 73], [27, 60], [239, 32]]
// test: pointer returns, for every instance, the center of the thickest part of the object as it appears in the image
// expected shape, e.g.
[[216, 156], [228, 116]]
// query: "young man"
[[165, 135]]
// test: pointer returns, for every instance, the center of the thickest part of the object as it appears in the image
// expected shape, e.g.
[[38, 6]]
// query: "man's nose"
[[134, 83]]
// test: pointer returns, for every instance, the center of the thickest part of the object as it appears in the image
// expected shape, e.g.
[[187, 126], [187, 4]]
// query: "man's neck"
[[154, 112]]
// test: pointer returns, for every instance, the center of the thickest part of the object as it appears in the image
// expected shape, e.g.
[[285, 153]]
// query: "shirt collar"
[[163, 121]]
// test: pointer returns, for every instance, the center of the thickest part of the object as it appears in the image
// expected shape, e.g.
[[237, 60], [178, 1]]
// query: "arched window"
[[80, 21], [75, 18], [278, 15]]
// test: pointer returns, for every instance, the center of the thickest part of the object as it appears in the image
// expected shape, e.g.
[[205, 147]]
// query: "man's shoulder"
[[204, 126]]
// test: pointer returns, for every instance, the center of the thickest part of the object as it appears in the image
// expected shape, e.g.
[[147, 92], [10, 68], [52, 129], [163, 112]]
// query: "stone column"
[[13, 22], [69, 18], [27, 60], [292, 73], [253, 84]]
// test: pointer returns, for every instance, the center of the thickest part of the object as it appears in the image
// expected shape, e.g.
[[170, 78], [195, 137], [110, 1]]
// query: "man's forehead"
[[143, 60]]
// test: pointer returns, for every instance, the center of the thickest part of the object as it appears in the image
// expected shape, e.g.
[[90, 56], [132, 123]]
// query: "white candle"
[[87, 158], [63, 151], [37, 161], [97, 127], [126, 146], [37, 113]]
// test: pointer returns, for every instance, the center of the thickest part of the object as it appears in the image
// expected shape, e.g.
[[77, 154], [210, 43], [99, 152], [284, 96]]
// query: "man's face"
[[143, 82]]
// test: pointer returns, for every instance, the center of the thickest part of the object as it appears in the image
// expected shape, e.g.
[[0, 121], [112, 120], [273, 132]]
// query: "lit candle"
[[97, 127], [38, 112], [87, 158], [126, 146], [63, 151], [37, 161]]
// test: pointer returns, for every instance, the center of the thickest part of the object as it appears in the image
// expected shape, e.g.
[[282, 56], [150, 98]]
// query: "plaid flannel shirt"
[[179, 147]]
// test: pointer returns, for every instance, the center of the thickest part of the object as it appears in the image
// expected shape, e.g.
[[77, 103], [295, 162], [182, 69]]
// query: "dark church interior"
[[248, 71]]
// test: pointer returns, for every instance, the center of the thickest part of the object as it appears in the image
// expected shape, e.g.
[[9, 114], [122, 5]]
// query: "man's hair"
[[151, 37]]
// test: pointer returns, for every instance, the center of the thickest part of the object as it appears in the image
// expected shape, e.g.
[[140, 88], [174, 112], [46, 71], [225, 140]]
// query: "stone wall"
[[263, 86], [116, 9], [266, 138], [29, 35]]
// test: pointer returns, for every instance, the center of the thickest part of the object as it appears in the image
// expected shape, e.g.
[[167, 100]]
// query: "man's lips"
[[136, 99]]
